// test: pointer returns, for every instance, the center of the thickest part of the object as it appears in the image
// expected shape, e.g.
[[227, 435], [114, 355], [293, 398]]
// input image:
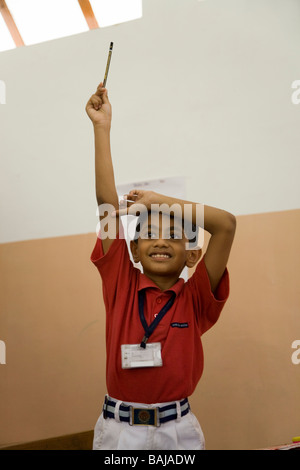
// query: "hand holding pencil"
[[98, 107]]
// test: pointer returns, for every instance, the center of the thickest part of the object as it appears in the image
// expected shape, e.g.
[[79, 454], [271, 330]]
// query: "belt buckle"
[[144, 416]]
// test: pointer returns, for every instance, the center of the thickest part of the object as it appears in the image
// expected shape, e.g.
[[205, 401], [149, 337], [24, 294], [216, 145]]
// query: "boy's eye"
[[175, 235], [151, 235]]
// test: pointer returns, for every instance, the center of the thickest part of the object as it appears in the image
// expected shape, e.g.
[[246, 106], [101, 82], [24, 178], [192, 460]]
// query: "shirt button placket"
[[158, 301]]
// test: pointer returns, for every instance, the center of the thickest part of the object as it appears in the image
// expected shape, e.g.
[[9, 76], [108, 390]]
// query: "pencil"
[[108, 63]]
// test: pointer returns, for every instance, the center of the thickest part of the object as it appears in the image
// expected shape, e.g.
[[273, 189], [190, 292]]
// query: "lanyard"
[[149, 329]]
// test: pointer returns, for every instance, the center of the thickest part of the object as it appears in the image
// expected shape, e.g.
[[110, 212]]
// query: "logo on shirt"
[[179, 325]]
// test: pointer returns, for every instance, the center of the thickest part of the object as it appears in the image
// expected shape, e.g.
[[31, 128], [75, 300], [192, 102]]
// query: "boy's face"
[[161, 248]]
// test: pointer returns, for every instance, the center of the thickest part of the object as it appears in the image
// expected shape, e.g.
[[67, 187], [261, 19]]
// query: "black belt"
[[144, 416]]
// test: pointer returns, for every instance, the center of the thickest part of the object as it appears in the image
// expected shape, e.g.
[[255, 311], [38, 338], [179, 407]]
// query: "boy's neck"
[[164, 283]]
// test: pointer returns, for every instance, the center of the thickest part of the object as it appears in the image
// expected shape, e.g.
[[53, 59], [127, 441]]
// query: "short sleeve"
[[115, 267], [208, 305]]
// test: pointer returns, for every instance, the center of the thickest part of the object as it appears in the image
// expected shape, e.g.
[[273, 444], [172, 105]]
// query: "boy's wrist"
[[157, 198], [154, 199], [104, 128]]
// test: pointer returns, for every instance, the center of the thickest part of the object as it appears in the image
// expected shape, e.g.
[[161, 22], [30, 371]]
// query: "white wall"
[[199, 89]]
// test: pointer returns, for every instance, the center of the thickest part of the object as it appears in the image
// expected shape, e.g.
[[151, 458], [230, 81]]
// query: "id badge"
[[134, 356]]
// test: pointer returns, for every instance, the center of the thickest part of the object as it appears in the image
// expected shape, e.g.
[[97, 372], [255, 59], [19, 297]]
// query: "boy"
[[154, 320]]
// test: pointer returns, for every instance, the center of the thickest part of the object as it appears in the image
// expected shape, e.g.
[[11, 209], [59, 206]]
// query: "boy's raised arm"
[[219, 223], [99, 111]]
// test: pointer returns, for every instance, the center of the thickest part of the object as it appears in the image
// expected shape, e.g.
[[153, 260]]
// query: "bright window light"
[[6, 41], [110, 12], [43, 20]]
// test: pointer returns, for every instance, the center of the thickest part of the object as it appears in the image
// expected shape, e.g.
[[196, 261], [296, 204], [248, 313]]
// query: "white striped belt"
[[144, 416]]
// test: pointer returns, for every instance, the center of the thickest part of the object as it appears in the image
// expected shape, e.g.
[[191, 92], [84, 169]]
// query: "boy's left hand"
[[135, 201]]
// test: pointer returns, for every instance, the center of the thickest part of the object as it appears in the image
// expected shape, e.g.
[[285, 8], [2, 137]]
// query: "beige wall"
[[52, 322], [249, 393], [232, 129]]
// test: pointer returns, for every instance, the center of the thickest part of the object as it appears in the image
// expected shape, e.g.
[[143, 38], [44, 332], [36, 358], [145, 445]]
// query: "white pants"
[[182, 433]]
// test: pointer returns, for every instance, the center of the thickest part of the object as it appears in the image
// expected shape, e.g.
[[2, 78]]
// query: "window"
[[26, 22]]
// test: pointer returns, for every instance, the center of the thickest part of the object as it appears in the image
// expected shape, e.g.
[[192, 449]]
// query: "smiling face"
[[161, 249]]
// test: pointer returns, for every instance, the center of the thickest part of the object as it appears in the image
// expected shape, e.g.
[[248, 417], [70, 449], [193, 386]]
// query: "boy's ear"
[[193, 257], [134, 251]]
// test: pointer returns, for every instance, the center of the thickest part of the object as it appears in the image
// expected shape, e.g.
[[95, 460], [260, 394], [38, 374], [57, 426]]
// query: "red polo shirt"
[[193, 312]]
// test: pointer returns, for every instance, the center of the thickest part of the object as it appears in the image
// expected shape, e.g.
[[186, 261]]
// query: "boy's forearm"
[[215, 220], [104, 173]]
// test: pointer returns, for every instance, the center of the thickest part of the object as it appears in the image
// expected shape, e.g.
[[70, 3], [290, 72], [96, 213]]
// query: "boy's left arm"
[[219, 223]]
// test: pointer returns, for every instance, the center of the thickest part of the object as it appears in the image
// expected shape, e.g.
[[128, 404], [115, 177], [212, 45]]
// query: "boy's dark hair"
[[191, 231]]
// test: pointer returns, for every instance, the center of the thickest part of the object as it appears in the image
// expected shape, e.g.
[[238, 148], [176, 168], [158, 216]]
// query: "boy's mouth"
[[160, 256]]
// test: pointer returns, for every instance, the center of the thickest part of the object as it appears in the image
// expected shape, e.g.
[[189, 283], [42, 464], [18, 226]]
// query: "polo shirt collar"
[[145, 282]]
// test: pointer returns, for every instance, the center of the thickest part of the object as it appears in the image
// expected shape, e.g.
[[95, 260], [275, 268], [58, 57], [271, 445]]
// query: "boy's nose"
[[160, 241]]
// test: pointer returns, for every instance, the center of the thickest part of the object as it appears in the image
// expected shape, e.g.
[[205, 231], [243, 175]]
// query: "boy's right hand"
[[98, 108]]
